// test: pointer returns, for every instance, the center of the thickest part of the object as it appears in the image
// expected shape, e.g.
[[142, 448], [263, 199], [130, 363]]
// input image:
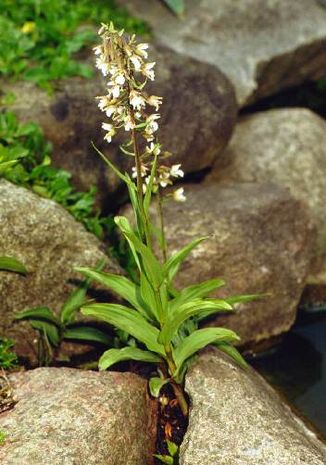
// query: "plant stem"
[[162, 226], [177, 388]]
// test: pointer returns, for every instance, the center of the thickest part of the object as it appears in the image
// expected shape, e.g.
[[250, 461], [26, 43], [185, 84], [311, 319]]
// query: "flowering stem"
[[140, 187], [162, 226]]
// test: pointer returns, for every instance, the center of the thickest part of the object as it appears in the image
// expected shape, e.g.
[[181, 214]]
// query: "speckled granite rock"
[[287, 146], [261, 46], [197, 119], [73, 417], [237, 419], [49, 241], [260, 241]]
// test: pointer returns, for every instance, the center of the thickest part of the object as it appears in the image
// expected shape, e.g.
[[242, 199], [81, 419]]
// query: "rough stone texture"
[[50, 243], [286, 146], [261, 47], [74, 417], [260, 241], [197, 118], [237, 419]]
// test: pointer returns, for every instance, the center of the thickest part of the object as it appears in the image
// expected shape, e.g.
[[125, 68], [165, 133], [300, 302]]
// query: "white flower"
[[143, 171], [137, 100], [141, 50], [151, 124], [110, 131], [176, 172], [128, 123], [119, 79], [163, 179], [114, 89], [149, 71], [154, 149], [136, 62], [103, 102], [98, 50], [102, 66], [178, 195], [110, 110], [154, 101]]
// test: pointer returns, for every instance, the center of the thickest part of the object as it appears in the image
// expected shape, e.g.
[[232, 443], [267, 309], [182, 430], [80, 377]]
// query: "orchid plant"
[[162, 319]]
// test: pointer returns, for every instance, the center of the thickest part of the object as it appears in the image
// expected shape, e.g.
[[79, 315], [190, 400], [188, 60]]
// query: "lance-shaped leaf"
[[149, 297], [129, 321], [188, 310], [242, 299], [119, 285], [48, 330], [177, 6], [156, 384], [232, 352], [173, 263], [196, 291], [12, 264], [76, 299], [87, 333], [38, 313], [152, 266], [112, 356], [198, 340]]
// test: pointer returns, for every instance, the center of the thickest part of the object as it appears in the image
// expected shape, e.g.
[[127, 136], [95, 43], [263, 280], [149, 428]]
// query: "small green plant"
[[54, 329], [38, 41], [162, 319], [8, 359], [3, 437], [172, 458], [25, 159], [177, 6]]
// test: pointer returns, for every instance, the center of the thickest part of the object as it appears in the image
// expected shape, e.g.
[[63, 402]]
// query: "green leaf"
[[12, 264], [188, 310], [152, 266], [50, 331], [120, 285], [196, 291], [149, 189], [111, 165], [128, 320], [148, 295], [76, 299], [172, 265], [87, 333], [38, 313], [198, 340], [112, 356], [232, 352], [172, 448], [177, 6], [156, 384], [165, 459]]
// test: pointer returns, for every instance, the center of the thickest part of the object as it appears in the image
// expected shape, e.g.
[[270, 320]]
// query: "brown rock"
[[198, 116], [236, 418], [67, 416], [288, 147], [260, 241], [262, 48], [50, 243]]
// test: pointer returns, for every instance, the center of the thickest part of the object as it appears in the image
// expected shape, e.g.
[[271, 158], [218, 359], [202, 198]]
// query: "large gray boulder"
[[197, 119], [50, 242], [288, 147], [237, 419], [261, 46], [73, 417], [260, 241]]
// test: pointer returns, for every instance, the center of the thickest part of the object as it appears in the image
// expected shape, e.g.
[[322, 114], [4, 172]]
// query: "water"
[[297, 368]]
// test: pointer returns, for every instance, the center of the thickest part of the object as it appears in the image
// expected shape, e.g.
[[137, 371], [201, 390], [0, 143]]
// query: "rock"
[[262, 48], [198, 116], [287, 146], [48, 240], [70, 417], [237, 419], [260, 241]]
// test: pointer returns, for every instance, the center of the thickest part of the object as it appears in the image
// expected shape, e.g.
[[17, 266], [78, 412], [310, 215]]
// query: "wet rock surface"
[[70, 417], [197, 119], [237, 419], [260, 241], [50, 242], [289, 147], [261, 47]]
